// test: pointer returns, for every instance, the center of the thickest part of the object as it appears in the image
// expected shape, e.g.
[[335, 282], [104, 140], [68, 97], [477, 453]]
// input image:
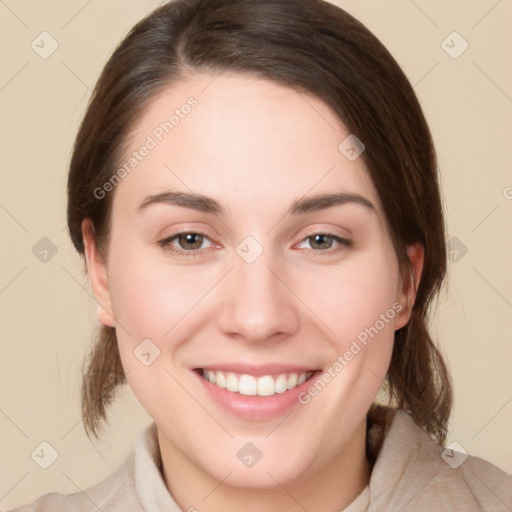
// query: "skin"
[[255, 147]]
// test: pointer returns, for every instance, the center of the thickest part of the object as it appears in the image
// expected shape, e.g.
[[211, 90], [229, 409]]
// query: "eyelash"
[[166, 244]]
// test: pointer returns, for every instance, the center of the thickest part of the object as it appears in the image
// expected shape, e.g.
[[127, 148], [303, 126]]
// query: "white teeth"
[[292, 381], [232, 383], [301, 379], [266, 386], [220, 380], [282, 384], [247, 385], [251, 386]]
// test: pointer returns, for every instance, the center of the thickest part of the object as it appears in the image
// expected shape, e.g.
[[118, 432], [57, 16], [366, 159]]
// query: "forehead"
[[238, 139]]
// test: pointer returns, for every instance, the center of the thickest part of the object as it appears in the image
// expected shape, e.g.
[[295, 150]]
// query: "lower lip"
[[254, 407]]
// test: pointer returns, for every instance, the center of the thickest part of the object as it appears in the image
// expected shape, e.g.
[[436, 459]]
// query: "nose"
[[258, 304]]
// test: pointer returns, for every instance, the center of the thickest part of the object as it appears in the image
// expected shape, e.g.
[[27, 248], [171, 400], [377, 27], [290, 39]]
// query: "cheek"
[[360, 307], [351, 297], [149, 297], [152, 303]]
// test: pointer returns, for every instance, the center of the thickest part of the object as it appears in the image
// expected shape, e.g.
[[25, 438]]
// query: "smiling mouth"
[[248, 385]]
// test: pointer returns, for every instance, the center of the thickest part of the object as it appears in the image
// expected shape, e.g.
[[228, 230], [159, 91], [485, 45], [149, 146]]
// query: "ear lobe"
[[409, 283], [97, 271]]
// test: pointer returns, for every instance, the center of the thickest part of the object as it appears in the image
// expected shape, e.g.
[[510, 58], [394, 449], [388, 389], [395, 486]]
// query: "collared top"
[[411, 473]]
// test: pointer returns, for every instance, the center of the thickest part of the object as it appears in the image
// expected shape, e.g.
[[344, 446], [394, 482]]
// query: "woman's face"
[[247, 243]]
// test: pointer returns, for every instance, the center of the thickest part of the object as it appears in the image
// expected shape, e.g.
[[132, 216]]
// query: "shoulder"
[[412, 472], [116, 493]]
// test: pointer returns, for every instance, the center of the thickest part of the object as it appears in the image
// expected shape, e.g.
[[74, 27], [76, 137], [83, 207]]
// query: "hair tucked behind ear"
[[418, 379], [308, 45], [102, 373]]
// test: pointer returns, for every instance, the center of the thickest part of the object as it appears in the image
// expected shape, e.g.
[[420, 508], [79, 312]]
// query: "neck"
[[329, 489]]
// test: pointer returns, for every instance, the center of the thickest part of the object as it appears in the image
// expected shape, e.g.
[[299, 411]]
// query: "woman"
[[254, 191]]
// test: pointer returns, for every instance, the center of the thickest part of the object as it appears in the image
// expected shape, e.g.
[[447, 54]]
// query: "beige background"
[[48, 315]]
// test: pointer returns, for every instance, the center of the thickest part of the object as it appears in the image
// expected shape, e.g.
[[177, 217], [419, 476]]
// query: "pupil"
[[320, 240], [191, 239]]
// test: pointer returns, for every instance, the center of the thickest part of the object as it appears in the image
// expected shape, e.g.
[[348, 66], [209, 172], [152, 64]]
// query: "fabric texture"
[[410, 473]]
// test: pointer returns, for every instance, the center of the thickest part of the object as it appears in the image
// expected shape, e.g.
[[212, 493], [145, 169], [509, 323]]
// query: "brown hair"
[[309, 45]]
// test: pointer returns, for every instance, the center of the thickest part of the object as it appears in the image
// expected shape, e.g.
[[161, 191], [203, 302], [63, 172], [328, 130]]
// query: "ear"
[[409, 282], [98, 277]]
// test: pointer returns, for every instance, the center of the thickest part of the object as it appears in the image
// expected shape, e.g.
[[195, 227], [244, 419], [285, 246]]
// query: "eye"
[[326, 243], [189, 243]]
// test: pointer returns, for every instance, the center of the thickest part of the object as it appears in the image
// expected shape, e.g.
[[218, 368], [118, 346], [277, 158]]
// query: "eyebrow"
[[302, 205], [185, 200]]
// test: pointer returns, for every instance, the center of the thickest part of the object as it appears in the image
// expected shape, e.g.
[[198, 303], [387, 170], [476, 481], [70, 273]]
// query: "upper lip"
[[257, 370]]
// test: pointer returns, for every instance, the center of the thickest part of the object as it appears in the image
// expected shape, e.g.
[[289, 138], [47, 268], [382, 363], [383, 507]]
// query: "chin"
[[266, 476]]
